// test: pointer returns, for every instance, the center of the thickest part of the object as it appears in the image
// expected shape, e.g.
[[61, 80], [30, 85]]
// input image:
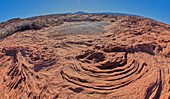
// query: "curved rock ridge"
[[110, 57], [19, 65], [106, 72]]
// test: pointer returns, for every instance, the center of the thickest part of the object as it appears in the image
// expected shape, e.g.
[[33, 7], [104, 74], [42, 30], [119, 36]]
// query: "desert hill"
[[86, 56]]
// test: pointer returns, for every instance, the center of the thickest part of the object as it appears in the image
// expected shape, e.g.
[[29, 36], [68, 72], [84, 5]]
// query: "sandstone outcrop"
[[128, 58]]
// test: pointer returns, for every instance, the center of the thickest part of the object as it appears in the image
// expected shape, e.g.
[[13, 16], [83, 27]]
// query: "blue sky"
[[155, 9]]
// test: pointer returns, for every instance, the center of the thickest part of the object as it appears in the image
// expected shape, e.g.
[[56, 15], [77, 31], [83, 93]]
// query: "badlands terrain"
[[84, 56]]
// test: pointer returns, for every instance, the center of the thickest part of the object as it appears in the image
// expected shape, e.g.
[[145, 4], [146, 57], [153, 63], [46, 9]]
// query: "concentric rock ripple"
[[107, 71], [88, 57]]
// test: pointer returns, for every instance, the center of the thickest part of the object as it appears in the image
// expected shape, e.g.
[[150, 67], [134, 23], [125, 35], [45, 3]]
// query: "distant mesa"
[[106, 13], [81, 12]]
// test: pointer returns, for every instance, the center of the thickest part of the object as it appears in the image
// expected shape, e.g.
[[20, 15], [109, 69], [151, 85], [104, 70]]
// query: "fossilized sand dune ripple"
[[120, 57]]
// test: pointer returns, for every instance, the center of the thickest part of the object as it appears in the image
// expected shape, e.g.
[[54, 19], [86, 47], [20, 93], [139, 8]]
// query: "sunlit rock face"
[[88, 56]]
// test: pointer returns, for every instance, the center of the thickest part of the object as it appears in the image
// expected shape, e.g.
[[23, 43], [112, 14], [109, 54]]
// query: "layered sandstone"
[[127, 58]]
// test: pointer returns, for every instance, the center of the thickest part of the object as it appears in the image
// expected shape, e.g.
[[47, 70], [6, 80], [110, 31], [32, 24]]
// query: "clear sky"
[[155, 9]]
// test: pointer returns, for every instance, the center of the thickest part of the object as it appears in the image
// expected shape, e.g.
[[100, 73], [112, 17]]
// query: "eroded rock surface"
[[128, 58]]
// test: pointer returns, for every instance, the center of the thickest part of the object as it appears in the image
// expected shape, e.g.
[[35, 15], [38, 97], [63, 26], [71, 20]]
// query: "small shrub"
[[112, 20]]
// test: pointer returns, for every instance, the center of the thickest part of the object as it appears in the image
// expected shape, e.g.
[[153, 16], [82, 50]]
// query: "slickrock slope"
[[87, 57]]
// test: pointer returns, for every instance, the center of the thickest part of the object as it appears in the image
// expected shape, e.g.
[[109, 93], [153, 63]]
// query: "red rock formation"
[[130, 60], [19, 65]]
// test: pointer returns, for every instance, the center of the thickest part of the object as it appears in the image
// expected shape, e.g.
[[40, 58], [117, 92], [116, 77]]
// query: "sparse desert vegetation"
[[28, 25], [35, 23]]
